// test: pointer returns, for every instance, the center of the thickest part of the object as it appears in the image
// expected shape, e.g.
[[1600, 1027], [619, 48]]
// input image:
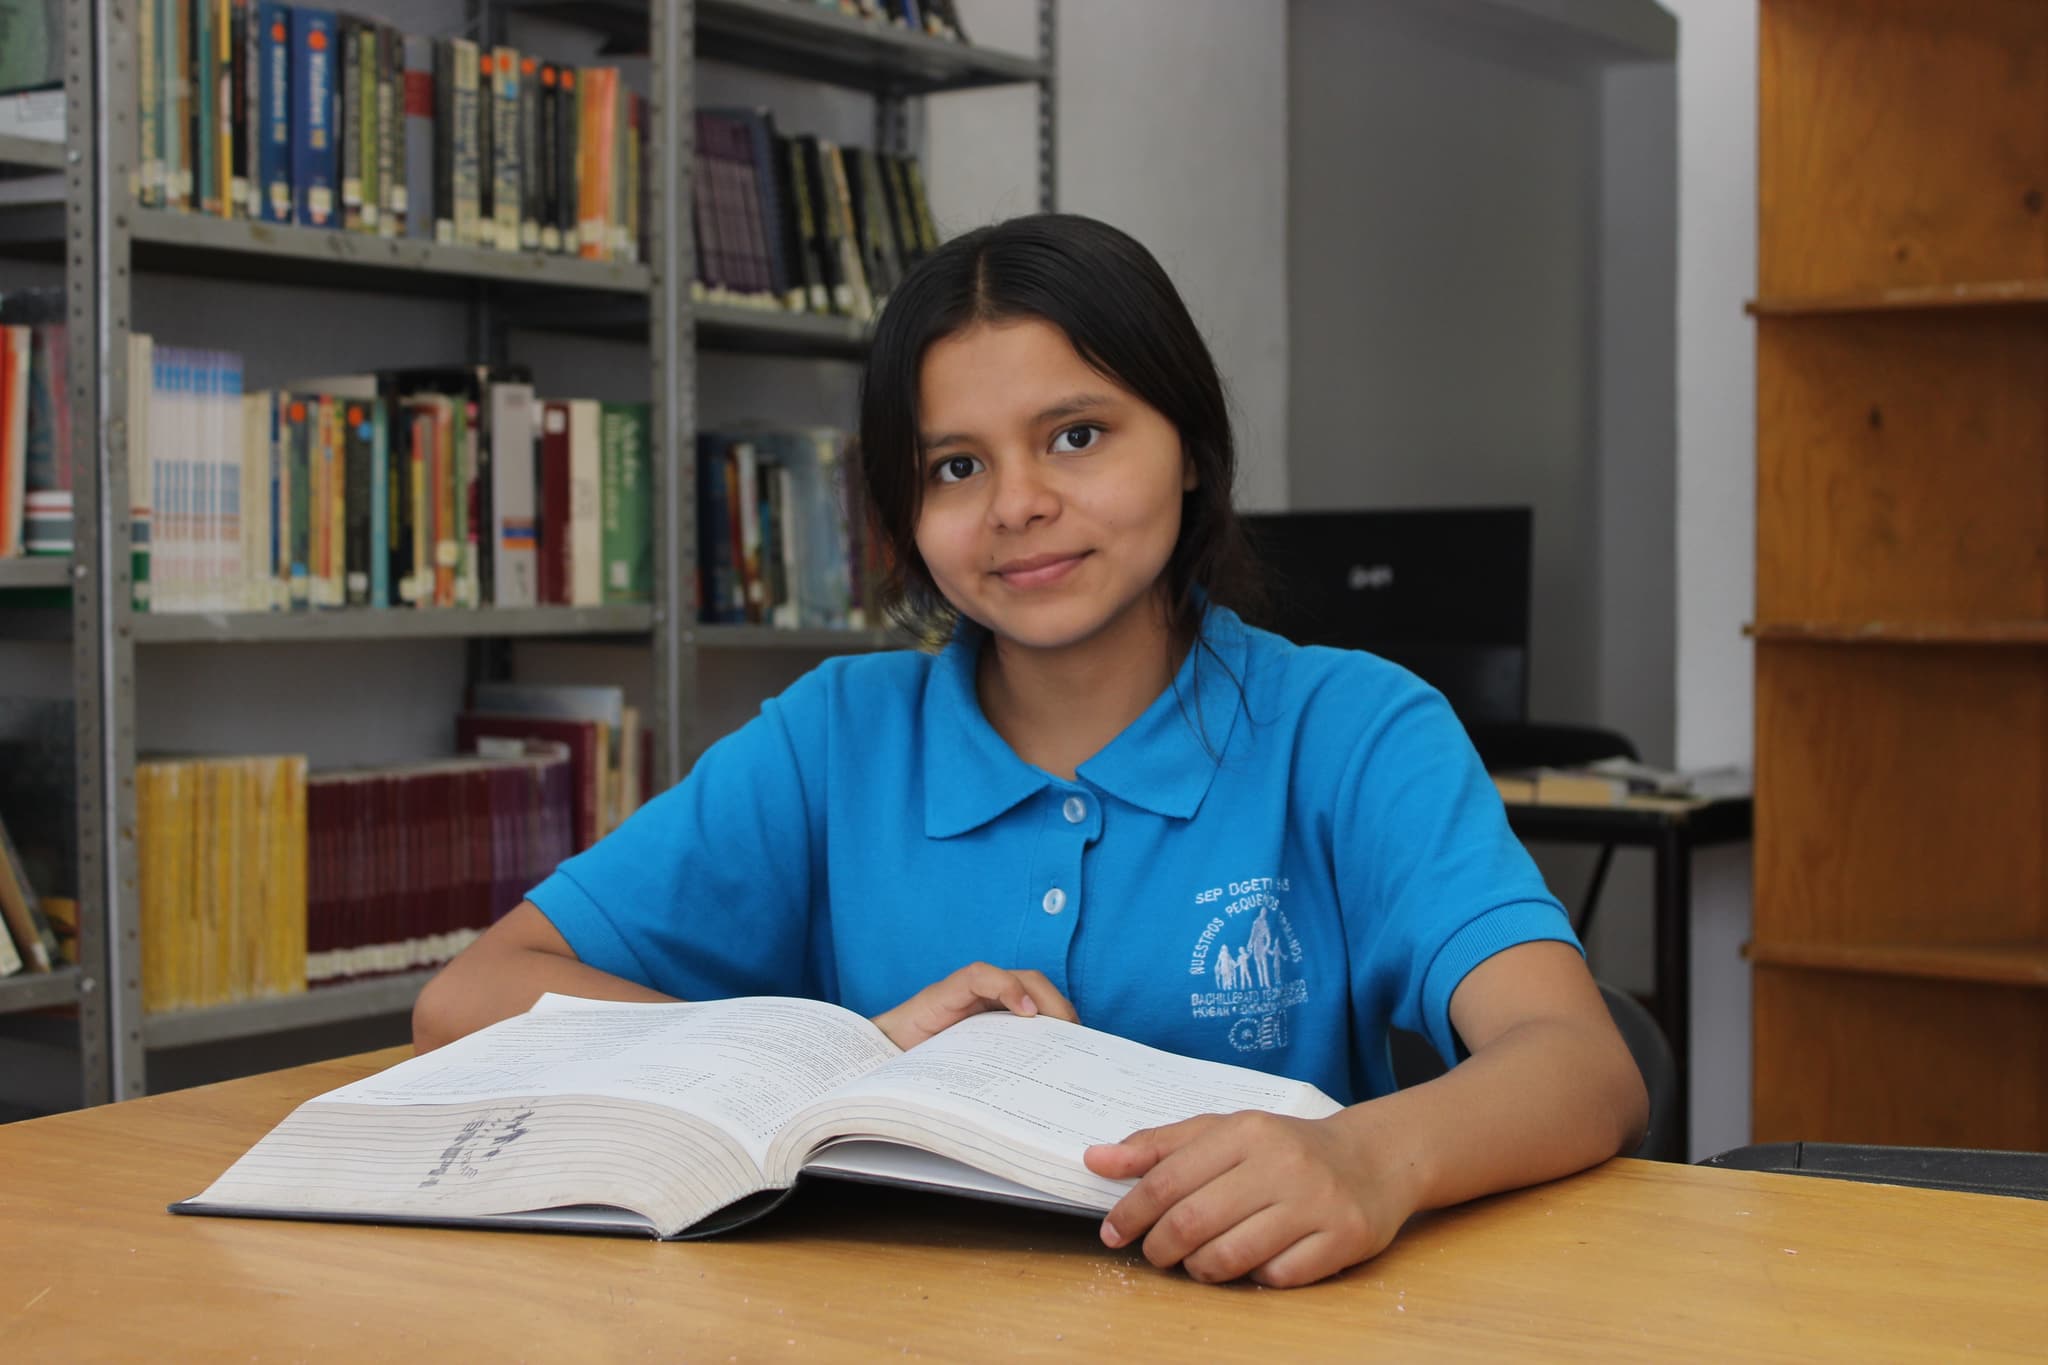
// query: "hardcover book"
[[680, 1120]]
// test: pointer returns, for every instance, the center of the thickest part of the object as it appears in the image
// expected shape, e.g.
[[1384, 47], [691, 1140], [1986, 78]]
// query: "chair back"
[[1415, 1061]]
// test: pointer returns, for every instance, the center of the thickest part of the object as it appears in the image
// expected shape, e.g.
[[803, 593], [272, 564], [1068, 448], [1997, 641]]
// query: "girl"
[[1109, 798]]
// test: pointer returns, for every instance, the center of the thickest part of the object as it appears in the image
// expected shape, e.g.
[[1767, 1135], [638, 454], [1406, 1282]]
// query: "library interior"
[[1074, 656]]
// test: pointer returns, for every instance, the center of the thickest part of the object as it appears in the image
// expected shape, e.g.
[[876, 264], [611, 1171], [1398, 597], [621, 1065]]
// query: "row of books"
[[260, 879], [801, 224], [293, 114], [779, 539], [37, 933], [35, 425], [937, 18], [449, 487]]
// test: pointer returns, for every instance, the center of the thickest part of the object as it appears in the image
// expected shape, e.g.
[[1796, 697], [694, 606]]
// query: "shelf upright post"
[[1048, 105], [82, 295], [672, 342], [103, 136]]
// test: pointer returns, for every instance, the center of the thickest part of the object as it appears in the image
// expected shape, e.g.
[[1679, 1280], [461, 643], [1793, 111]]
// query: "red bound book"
[[582, 739], [553, 579]]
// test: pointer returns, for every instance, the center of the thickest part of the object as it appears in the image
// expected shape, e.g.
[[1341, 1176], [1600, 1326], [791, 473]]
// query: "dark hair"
[[1123, 316]]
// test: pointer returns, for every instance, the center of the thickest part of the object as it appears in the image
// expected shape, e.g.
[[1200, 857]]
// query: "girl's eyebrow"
[[1066, 407]]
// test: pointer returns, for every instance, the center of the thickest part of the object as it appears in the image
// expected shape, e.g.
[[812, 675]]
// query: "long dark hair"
[[1123, 316]]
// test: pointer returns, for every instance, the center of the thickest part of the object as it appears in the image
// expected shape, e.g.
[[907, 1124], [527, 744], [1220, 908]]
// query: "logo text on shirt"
[[1249, 962]]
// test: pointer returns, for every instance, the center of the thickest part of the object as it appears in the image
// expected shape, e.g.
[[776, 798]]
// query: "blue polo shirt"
[[1292, 849]]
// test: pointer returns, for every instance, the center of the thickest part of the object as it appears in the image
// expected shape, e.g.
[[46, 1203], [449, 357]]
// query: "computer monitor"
[[1444, 592]]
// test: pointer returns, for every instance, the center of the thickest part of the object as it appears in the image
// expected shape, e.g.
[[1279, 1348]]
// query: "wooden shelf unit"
[[1901, 915]]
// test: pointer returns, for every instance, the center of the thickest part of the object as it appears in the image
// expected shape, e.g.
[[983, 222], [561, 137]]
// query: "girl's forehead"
[[995, 371]]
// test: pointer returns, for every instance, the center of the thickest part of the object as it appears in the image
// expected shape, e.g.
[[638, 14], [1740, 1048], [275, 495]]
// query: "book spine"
[[466, 146], [204, 71], [597, 113], [313, 115], [380, 503], [444, 140], [628, 544], [568, 153], [299, 470], [231, 82], [418, 207], [348, 138], [549, 158], [515, 541], [391, 196], [486, 149], [149, 125], [507, 172], [529, 153], [141, 500], [248, 107], [553, 575], [274, 105], [586, 536]]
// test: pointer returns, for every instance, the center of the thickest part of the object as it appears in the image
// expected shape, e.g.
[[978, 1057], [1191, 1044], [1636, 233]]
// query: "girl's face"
[[1052, 494]]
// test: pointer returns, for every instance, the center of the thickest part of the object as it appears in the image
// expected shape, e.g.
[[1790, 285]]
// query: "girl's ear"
[[1190, 480]]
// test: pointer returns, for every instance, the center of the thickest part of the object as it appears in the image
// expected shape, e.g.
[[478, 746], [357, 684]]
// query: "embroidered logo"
[[1249, 963]]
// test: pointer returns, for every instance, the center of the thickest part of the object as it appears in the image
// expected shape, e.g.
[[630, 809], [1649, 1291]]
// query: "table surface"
[[1633, 1260]]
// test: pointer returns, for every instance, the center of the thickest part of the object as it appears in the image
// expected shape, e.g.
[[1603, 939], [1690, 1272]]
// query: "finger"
[[1215, 1211], [993, 987], [1250, 1244], [1178, 1174], [1315, 1257], [1144, 1149], [1047, 997]]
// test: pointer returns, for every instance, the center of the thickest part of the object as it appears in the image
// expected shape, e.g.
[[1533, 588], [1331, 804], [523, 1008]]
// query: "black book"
[[824, 248], [529, 154], [358, 446], [567, 133], [547, 170], [443, 207], [348, 139], [795, 227], [486, 156]]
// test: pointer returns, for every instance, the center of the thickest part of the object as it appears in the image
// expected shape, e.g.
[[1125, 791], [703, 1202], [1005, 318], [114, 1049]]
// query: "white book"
[[586, 509], [515, 530], [677, 1120], [141, 520]]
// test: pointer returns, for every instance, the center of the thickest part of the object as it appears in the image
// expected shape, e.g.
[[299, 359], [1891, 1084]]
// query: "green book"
[[626, 506]]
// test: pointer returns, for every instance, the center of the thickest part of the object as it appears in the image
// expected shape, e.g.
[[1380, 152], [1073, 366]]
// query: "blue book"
[[274, 102], [313, 116], [380, 504]]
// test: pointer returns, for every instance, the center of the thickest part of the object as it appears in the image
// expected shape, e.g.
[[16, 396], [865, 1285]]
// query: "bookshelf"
[[1901, 914], [79, 990], [111, 254]]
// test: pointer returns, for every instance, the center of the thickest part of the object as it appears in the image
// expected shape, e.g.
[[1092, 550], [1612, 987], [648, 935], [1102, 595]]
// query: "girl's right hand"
[[974, 989]]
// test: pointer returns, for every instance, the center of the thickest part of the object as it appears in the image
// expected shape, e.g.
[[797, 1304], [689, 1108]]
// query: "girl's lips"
[[1039, 572]]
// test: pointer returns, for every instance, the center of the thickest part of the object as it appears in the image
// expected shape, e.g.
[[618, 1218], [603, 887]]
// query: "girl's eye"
[[1077, 438], [954, 468]]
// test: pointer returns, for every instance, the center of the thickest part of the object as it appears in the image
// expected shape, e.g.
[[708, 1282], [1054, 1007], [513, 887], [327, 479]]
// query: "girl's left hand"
[[1286, 1201]]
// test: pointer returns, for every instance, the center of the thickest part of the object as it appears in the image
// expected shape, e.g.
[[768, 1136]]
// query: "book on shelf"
[[416, 488], [258, 878], [673, 1120], [27, 928], [776, 541], [611, 748], [319, 118]]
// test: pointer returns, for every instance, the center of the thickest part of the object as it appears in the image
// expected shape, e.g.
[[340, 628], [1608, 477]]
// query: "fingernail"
[[1029, 1006], [1110, 1236]]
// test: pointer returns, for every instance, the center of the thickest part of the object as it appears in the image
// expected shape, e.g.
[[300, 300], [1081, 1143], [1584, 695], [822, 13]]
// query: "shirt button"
[[1055, 901], [1075, 809]]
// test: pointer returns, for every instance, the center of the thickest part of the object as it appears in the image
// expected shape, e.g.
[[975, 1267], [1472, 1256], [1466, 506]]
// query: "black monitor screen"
[[1444, 592]]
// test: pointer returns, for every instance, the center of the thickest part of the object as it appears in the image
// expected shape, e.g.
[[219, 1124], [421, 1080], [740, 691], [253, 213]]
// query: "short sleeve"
[[705, 892], [1433, 879]]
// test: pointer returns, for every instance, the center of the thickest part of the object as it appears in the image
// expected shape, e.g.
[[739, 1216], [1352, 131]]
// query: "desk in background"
[[1635, 1261], [1671, 829]]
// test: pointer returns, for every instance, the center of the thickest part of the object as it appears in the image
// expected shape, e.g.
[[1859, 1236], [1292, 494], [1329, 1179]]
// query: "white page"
[[1060, 1088], [745, 1064]]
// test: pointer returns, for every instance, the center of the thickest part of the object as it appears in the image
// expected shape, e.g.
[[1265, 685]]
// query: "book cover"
[[552, 579], [466, 150], [627, 510], [515, 546], [530, 171], [348, 133], [549, 158], [420, 206], [273, 99], [586, 518], [391, 187], [1000, 1106], [313, 117], [597, 90], [507, 165]]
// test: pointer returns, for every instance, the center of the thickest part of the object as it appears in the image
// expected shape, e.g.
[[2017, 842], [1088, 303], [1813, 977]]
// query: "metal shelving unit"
[[322, 1005], [35, 572], [106, 240], [80, 988], [369, 623], [28, 156]]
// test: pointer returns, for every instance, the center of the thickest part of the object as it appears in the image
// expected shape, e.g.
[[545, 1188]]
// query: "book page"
[[745, 1065], [1043, 1091]]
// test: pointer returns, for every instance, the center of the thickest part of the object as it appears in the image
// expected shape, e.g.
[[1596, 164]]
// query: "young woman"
[[1109, 798]]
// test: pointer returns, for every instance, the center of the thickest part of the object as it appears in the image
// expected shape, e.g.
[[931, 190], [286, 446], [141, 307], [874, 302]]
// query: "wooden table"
[[1634, 1261]]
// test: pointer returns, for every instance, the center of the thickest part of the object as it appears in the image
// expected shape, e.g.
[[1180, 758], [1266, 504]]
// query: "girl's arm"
[[1549, 1089], [517, 960]]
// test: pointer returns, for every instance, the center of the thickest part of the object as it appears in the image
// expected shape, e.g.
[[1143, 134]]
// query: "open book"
[[686, 1119]]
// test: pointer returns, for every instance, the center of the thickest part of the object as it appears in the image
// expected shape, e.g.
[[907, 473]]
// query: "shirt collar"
[[1164, 761]]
